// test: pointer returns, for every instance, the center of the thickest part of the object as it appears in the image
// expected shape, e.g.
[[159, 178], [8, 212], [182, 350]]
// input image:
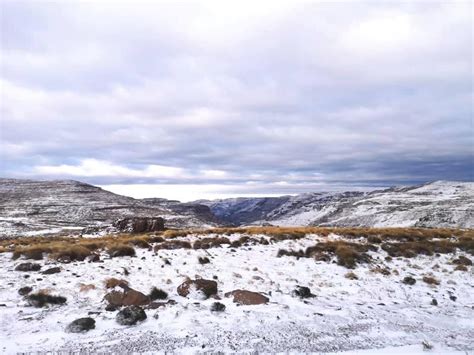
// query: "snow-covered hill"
[[29, 207], [436, 204]]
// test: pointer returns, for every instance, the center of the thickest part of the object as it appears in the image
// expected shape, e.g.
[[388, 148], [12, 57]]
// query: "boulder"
[[140, 224], [129, 297], [53, 270], [130, 315], [28, 267], [408, 280], [244, 297], [206, 288], [81, 325]]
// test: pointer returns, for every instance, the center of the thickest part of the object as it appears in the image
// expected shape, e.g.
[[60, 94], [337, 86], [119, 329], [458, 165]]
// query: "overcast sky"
[[218, 99]]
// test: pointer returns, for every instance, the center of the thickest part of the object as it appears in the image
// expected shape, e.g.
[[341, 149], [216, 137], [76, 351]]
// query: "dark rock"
[[111, 308], [203, 260], [140, 224], [28, 267], [462, 260], [217, 307], [408, 280], [157, 294], [93, 258], [303, 292], [434, 302], [81, 325], [130, 315], [41, 300], [25, 290], [53, 270], [244, 297], [453, 298], [206, 287]]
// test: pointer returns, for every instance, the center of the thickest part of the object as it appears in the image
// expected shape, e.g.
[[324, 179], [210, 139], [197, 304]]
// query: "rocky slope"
[[437, 204], [29, 207]]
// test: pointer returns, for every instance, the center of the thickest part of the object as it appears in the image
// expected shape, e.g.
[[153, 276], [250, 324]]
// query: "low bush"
[[120, 250], [351, 276]]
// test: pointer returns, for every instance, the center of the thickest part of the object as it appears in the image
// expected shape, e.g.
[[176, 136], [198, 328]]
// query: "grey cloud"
[[308, 94]]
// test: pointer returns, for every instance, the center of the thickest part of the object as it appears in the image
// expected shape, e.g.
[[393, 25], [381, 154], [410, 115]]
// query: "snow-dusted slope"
[[30, 207], [437, 204]]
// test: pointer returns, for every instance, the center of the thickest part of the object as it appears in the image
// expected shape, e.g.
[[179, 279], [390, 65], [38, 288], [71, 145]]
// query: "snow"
[[359, 316]]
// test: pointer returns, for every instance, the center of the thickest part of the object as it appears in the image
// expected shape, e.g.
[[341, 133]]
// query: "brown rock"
[[207, 287], [130, 297], [245, 297]]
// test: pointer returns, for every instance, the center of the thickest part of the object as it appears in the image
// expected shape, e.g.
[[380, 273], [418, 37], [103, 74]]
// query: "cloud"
[[315, 95]]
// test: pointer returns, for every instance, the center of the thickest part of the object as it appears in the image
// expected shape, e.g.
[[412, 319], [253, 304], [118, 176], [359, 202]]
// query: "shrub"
[[121, 250], [298, 254], [374, 239], [381, 270], [431, 280], [157, 294], [156, 239]]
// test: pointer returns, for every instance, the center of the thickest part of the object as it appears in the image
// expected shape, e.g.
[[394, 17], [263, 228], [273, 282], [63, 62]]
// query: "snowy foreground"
[[372, 315]]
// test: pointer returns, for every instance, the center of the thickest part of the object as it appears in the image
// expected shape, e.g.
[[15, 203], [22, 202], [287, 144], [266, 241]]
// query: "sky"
[[212, 99]]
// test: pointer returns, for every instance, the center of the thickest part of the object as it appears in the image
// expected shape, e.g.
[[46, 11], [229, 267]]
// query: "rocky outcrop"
[[140, 224]]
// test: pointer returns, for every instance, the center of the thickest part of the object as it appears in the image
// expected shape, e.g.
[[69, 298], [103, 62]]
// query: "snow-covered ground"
[[360, 316]]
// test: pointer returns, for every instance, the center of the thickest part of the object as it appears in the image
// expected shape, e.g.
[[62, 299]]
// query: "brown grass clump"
[[35, 252], [348, 254], [462, 260], [86, 287], [430, 280], [71, 253], [173, 244], [113, 282], [351, 276], [120, 250], [206, 243], [140, 242], [298, 254], [381, 270], [156, 239], [461, 268]]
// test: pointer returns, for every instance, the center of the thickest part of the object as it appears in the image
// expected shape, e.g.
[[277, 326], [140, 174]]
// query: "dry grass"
[[115, 250], [430, 280], [113, 282], [397, 242]]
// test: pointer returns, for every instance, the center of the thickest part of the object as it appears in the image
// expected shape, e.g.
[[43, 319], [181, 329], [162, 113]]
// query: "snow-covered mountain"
[[436, 204], [29, 207]]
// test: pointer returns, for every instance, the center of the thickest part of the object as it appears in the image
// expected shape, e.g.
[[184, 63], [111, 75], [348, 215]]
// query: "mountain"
[[436, 204], [30, 207]]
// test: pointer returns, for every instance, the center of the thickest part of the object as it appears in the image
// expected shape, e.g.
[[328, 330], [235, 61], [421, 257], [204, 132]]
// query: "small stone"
[[25, 290], [434, 302]]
